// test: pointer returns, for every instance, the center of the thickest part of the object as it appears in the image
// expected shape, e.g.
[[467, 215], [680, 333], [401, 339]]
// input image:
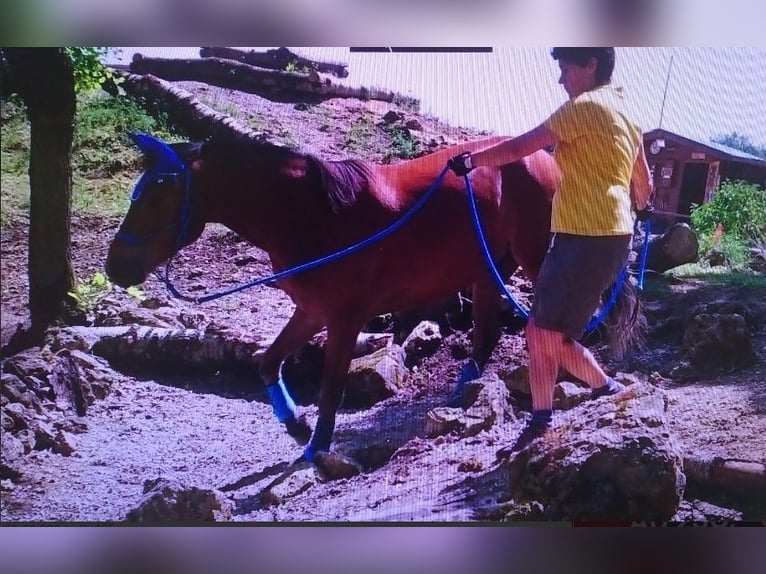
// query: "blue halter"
[[166, 164]]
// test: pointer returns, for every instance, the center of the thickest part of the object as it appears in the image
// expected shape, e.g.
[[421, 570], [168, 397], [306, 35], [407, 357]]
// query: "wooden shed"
[[686, 171]]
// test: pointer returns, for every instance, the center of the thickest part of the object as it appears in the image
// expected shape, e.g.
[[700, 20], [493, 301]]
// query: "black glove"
[[644, 214], [461, 164]]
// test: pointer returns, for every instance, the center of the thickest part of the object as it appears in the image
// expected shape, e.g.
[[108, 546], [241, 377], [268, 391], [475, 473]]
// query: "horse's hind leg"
[[298, 330], [487, 326]]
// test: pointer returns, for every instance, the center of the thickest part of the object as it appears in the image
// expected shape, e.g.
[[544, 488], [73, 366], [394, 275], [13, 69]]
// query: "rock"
[[531, 511], [392, 117], [490, 406], [45, 436], [170, 501], [610, 459], [701, 511], [27, 438], [717, 341], [296, 484], [716, 258], [375, 377], [11, 451], [422, 342], [413, 124], [517, 380], [6, 421], [568, 395], [64, 443], [73, 424], [19, 414], [16, 391]]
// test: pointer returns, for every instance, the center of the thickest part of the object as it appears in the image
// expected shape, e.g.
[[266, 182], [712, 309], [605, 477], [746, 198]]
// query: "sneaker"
[[536, 427], [611, 387]]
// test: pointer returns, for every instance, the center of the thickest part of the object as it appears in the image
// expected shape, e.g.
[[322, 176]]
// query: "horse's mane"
[[343, 181]]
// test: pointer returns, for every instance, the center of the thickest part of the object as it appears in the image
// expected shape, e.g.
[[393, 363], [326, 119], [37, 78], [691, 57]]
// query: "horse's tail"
[[625, 323]]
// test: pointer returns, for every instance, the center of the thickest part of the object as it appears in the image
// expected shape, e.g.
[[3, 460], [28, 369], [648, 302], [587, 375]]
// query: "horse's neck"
[[255, 215]]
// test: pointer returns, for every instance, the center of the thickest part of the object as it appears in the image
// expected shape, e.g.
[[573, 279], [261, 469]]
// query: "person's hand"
[[644, 214], [461, 164]]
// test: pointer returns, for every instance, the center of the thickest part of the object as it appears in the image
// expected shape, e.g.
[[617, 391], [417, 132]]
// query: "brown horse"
[[299, 208]]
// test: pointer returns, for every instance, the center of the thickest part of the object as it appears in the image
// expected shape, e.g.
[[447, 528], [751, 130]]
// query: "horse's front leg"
[[341, 340], [298, 330]]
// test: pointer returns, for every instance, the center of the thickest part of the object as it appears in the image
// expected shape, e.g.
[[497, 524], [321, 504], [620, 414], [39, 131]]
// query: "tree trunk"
[[677, 246], [275, 85], [45, 80], [277, 59], [184, 110]]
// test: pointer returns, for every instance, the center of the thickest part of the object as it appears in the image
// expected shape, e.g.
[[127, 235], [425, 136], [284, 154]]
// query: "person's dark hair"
[[581, 56]]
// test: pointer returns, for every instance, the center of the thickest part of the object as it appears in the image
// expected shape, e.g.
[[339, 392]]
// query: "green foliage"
[[100, 145], [14, 160], [403, 145], [742, 143], [360, 135], [89, 71], [104, 165], [407, 103], [731, 221], [739, 206], [88, 293], [292, 66]]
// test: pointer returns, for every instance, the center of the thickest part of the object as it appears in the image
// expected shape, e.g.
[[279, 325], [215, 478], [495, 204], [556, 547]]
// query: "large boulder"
[[170, 501], [716, 341], [489, 403], [610, 459], [375, 377]]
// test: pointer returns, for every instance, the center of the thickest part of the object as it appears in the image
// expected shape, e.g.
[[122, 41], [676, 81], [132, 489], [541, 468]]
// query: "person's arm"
[[641, 187], [505, 152], [514, 149]]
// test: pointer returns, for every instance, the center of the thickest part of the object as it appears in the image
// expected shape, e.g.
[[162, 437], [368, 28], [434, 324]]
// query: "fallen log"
[[741, 480], [677, 246], [275, 59], [152, 346], [275, 85], [184, 110]]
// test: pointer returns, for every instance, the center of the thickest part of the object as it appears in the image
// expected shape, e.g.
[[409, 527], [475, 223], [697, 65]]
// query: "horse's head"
[[161, 218]]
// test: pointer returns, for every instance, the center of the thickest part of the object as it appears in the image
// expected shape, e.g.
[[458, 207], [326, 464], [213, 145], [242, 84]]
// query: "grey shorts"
[[577, 269]]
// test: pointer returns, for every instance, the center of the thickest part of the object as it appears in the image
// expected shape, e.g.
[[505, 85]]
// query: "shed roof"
[[730, 153]]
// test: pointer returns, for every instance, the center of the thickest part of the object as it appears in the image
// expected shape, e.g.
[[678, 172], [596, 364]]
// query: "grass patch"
[[403, 145], [360, 135], [720, 275], [105, 162]]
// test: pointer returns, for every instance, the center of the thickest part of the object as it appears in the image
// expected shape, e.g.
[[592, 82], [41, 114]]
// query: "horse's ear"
[[161, 154]]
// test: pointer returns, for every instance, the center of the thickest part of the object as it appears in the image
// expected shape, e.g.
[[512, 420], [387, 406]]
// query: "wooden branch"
[[279, 86], [275, 59], [184, 110]]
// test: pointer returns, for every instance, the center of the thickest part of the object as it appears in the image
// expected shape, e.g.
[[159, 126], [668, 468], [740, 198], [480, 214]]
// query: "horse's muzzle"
[[125, 271]]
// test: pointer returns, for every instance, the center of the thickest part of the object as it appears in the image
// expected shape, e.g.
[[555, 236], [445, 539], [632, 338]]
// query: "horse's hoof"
[[334, 466], [456, 400], [299, 429]]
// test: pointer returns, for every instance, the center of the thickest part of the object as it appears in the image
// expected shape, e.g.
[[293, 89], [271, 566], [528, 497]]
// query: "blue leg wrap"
[[284, 406], [469, 372], [320, 441]]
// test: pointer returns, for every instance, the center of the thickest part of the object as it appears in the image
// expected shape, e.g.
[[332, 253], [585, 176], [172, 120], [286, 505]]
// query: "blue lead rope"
[[317, 262], [186, 217], [596, 320]]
